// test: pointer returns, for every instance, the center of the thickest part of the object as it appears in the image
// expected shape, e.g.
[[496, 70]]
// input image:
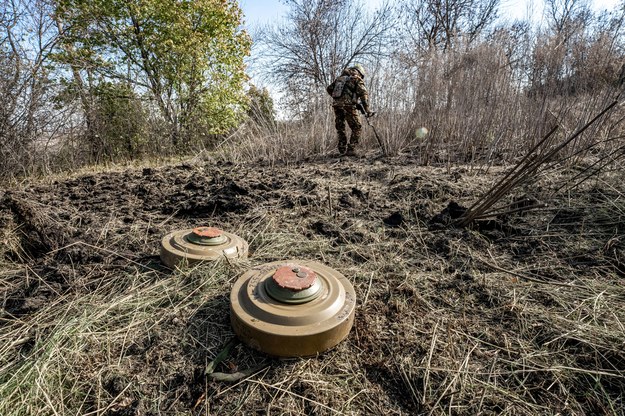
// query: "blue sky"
[[268, 11], [262, 11]]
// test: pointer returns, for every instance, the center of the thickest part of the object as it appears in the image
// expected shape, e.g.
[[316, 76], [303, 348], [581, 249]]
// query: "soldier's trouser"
[[349, 115]]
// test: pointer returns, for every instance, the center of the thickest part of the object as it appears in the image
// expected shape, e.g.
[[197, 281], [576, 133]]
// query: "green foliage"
[[188, 55], [261, 108], [120, 121]]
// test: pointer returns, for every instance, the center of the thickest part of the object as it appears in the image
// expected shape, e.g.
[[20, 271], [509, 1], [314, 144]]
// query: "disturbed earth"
[[515, 314]]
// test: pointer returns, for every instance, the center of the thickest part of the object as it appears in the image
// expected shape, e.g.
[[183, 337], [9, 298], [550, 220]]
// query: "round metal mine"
[[201, 244], [295, 308]]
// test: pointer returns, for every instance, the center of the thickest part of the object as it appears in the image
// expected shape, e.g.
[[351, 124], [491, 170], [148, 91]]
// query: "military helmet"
[[360, 69]]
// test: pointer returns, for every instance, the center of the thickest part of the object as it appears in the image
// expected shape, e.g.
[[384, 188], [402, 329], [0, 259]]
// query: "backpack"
[[339, 86]]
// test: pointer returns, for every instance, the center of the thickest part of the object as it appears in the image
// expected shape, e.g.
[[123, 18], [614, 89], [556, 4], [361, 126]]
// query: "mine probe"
[[360, 108]]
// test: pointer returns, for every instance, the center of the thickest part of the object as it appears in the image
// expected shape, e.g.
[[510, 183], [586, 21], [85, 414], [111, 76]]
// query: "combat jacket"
[[353, 90]]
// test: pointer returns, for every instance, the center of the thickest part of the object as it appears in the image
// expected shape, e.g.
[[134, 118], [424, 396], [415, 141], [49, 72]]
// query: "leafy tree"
[[187, 55], [120, 122]]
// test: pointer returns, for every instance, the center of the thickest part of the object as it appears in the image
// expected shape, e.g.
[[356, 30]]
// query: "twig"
[[364, 302], [595, 171], [512, 173], [522, 276], [330, 200], [299, 396], [426, 377], [495, 213]]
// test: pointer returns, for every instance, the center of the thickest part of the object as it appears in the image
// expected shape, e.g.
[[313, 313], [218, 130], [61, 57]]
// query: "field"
[[520, 314]]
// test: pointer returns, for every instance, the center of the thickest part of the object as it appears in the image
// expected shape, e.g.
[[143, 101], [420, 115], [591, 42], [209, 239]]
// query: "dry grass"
[[291, 141], [526, 320]]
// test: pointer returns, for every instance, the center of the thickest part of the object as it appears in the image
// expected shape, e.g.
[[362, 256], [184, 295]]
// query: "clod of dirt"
[[360, 194], [40, 233], [233, 188], [326, 229], [452, 212], [394, 220]]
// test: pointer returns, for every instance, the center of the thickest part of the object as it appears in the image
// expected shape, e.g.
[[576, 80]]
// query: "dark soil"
[[72, 232]]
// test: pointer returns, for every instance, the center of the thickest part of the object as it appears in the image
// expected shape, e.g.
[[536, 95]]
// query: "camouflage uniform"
[[345, 107]]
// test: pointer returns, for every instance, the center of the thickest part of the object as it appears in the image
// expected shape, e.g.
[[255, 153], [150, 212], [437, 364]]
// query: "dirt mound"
[[516, 314]]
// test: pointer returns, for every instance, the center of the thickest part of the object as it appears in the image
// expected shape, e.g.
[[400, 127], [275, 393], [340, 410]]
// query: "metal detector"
[[375, 132]]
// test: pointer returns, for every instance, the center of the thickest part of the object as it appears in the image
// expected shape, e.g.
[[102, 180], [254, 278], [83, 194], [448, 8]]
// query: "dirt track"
[[423, 282]]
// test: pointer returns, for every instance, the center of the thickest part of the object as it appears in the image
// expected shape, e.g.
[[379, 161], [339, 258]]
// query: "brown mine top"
[[294, 277], [207, 232]]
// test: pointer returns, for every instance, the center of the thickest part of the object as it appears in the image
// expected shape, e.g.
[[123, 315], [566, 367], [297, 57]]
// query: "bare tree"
[[437, 24], [318, 39], [573, 51], [566, 15], [25, 109]]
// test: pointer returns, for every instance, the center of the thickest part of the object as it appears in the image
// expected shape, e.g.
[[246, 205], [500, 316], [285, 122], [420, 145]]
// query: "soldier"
[[347, 91]]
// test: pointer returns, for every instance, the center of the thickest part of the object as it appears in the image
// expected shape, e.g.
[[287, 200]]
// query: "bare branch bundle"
[[522, 172]]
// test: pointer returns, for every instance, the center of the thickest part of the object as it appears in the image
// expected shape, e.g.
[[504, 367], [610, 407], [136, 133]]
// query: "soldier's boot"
[[351, 147], [342, 145]]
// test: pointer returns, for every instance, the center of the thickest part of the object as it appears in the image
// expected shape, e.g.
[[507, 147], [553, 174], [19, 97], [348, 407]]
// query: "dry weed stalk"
[[523, 171]]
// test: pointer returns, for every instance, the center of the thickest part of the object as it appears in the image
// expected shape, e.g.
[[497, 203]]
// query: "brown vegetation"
[[519, 314], [478, 292]]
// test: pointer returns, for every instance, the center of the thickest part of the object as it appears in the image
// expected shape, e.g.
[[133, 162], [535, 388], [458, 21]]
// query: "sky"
[[262, 11], [268, 11]]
